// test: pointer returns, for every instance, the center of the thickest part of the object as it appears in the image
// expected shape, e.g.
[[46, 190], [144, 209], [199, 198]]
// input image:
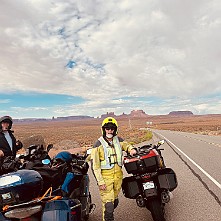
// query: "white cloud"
[[149, 48], [4, 101]]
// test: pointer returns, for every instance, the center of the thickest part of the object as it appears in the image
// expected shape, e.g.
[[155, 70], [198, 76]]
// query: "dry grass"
[[203, 124], [76, 134]]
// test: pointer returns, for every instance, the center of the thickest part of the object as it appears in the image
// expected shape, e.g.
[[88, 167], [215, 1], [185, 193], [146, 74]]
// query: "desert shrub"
[[148, 135], [34, 140], [66, 145], [140, 136]]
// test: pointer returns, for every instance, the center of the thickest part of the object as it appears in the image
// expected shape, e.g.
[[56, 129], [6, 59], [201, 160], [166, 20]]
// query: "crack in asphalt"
[[195, 174]]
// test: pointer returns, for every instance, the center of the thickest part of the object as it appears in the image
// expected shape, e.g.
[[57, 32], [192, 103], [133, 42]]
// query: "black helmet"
[[7, 119]]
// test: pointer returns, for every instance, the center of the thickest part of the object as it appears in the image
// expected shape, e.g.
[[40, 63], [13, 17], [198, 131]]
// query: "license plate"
[[148, 185], [6, 196]]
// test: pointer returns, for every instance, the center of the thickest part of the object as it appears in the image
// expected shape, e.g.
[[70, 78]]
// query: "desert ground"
[[78, 135]]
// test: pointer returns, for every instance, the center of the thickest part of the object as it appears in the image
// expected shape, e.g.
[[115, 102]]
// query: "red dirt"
[[83, 133]]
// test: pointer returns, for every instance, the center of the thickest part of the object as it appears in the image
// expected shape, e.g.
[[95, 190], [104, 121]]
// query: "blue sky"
[[74, 57], [35, 104]]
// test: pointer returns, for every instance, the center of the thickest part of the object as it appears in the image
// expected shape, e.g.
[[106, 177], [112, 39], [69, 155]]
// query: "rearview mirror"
[[50, 146], [161, 142], [89, 151]]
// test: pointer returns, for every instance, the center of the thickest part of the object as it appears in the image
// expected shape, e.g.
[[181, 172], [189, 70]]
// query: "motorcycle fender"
[[150, 192]]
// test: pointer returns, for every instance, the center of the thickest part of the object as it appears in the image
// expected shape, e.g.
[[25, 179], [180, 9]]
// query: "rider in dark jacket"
[[8, 144]]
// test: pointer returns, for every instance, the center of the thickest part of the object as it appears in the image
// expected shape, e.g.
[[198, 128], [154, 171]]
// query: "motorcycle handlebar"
[[35, 152], [146, 149]]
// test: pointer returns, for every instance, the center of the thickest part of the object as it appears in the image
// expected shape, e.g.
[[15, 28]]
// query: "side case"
[[131, 187], [167, 179], [62, 210]]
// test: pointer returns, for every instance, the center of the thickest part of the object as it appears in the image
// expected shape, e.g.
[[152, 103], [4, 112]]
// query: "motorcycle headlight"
[[20, 213]]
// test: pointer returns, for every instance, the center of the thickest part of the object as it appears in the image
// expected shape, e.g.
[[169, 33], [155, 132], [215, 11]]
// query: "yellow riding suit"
[[107, 161]]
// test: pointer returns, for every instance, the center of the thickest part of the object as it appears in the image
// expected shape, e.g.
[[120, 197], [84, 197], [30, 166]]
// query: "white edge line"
[[193, 162]]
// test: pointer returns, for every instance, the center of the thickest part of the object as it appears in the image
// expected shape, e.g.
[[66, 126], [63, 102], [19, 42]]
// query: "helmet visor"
[[110, 126], [7, 121]]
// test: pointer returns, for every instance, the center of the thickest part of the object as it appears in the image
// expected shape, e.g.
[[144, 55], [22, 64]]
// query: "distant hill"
[[108, 114], [133, 113], [180, 113], [72, 118], [29, 120], [137, 113]]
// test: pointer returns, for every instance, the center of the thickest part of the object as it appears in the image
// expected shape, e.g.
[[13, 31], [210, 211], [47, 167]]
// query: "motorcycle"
[[76, 184], [38, 191], [151, 182]]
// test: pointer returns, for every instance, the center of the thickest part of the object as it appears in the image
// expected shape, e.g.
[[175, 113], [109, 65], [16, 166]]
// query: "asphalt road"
[[196, 159]]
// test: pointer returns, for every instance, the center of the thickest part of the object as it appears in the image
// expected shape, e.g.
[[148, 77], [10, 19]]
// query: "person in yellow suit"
[[107, 162]]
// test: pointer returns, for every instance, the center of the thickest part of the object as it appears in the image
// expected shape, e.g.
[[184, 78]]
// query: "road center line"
[[193, 162]]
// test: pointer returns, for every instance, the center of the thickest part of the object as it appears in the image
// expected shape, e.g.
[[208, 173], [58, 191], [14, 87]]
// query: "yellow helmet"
[[109, 121]]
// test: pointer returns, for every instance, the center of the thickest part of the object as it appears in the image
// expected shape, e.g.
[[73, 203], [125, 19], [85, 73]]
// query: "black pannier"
[[167, 179], [131, 187], [143, 164]]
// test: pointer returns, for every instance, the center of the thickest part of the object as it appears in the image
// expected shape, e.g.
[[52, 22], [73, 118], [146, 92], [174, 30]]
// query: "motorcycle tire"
[[86, 216], [157, 209]]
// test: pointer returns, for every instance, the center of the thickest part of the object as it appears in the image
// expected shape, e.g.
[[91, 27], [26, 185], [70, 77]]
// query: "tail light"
[[73, 212], [145, 177]]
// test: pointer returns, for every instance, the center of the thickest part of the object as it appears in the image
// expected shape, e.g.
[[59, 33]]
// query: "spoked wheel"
[[157, 209]]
